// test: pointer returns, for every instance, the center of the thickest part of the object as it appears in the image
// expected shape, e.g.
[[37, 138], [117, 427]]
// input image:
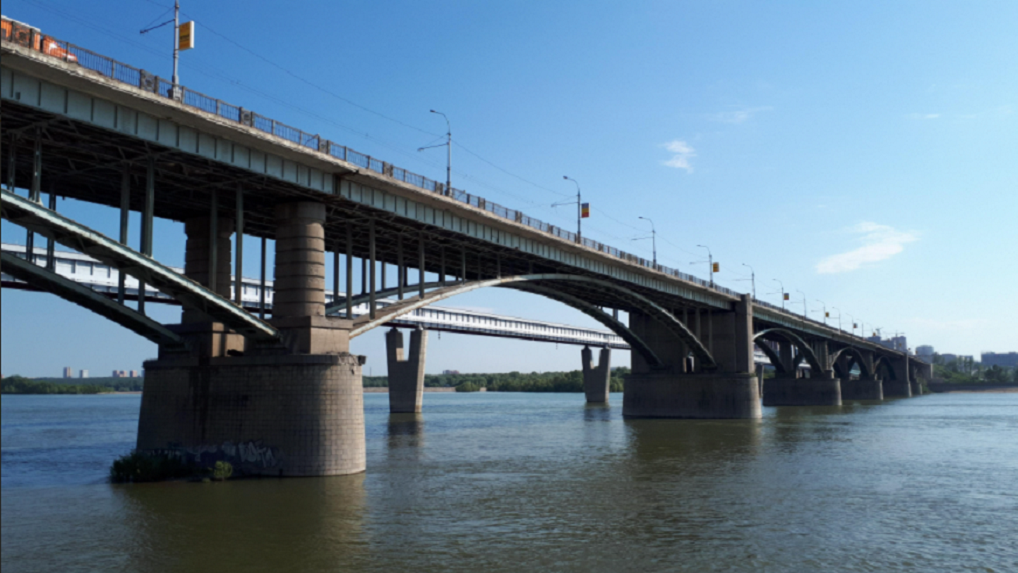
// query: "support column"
[[406, 373], [296, 410], [198, 258], [729, 392], [866, 388], [898, 386], [597, 379]]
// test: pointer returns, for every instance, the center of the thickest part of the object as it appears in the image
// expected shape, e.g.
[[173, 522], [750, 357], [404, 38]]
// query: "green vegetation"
[[144, 468], [19, 385], [113, 384], [967, 371], [508, 382], [148, 468]]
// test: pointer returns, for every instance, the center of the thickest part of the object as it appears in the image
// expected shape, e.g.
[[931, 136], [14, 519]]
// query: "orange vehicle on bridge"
[[34, 38]]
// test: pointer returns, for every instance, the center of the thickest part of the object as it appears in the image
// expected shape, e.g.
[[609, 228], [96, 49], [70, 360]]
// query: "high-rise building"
[[134, 373], [925, 352], [1009, 360], [68, 373], [83, 374]]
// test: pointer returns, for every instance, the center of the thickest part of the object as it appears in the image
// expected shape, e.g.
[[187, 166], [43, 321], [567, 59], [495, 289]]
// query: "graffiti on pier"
[[243, 454]]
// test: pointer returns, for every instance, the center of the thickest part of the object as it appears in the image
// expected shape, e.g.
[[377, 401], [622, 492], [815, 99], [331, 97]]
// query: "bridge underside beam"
[[191, 295], [87, 298]]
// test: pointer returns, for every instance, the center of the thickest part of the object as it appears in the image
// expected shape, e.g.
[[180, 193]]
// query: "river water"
[[522, 482]]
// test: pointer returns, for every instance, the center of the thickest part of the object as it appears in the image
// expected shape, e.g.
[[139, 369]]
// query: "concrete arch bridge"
[[100, 131]]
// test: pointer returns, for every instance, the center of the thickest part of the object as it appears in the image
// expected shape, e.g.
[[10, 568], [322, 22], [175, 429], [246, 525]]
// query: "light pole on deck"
[[653, 238], [448, 145], [752, 278], [579, 208]]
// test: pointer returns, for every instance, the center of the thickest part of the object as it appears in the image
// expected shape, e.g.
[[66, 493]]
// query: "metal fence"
[[114, 70]]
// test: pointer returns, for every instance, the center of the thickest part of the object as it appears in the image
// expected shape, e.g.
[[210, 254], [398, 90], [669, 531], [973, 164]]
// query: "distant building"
[[68, 373], [896, 343], [134, 373], [949, 358], [83, 374], [450, 372], [925, 353], [1009, 360]]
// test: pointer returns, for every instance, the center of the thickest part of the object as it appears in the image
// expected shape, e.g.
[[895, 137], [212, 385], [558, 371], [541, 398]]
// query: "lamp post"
[[579, 208], [447, 144], [839, 317], [824, 306], [710, 261], [805, 308], [752, 278], [652, 237], [782, 293], [852, 318]]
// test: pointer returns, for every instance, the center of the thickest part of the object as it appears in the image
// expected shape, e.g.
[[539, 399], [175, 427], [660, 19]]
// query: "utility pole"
[[653, 238], [752, 278], [782, 293], [579, 208], [805, 308], [710, 261], [176, 47], [448, 145], [824, 306]]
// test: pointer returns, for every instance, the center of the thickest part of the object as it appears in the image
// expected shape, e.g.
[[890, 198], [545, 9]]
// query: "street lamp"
[[805, 309], [752, 278], [824, 305], [852, 318], [782, 293], [710, 261], [579, 208], [652, 237], [839, 317], [448, 144]]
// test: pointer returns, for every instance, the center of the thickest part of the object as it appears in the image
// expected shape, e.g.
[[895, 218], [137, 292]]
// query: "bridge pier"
[[898, 385], [789, 391], [406, 374], [597, 379], [863, 389], [295, 409], [730, 391]]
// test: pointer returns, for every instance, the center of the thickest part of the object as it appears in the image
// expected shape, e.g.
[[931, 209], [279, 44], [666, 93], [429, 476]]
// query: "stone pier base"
[[866, 389], [597, 379], [917, 388], [693, 396], [270, 415], [897, 389], [802, 392], [406, 371]]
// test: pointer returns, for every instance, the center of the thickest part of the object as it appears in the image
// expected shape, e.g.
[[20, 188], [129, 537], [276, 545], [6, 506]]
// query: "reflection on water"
[[492, 483]]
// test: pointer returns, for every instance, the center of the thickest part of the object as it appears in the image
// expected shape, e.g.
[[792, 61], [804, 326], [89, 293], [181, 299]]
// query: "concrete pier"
[[406, 373], [863, 389], [692, 396], [823, 391], [727, 390], [286, 416], [292, 409], [597, 379]]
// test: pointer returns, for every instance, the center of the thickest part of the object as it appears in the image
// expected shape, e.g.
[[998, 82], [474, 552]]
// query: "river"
[[523, 482]]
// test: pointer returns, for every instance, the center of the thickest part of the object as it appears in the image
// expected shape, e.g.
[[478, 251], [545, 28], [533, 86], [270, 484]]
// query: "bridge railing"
[[28, 36]]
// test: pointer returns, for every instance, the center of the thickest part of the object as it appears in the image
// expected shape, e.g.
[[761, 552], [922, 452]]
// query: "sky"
[[865, 154]]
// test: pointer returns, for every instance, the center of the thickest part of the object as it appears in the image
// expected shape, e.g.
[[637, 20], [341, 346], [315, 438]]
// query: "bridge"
[[80, 125]]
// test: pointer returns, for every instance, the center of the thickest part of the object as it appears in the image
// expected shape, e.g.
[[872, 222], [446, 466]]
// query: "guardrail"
[[27, 36]]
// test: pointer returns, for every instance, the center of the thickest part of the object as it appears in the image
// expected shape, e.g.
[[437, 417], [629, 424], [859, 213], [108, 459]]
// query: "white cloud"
[[738, 116], [880, 242], [683, 153], [924, 116]]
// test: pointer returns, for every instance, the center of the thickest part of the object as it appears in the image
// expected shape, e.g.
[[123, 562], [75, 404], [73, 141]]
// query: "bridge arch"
[[883, 365], [805, 351], [544, 285], [857, 358], [774, 358]]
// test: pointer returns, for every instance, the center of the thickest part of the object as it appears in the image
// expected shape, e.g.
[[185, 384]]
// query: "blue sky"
[[864, 153]]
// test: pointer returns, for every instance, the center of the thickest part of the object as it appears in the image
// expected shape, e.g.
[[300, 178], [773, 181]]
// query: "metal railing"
[[117, 71]]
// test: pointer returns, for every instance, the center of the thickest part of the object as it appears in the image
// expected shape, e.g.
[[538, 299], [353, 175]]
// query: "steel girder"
[[366, 323], [191, 295], [85, 297]]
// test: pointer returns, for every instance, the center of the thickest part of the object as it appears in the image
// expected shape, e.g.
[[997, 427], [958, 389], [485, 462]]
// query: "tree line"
[[968, 371], [55, 386], [561, 382]]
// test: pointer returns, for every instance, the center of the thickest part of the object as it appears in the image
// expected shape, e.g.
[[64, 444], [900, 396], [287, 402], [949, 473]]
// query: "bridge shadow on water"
[[246, 525]]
